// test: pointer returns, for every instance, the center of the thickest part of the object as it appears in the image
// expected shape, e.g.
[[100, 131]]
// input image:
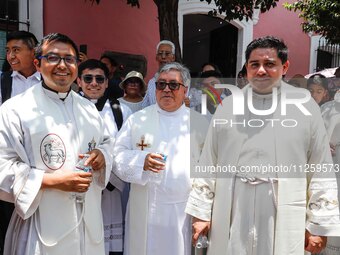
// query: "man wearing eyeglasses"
[[165, 53], [93, 80], [44, 133], [152, 151]]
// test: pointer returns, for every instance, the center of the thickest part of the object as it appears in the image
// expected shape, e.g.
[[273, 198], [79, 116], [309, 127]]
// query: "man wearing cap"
[[152, 151], [134, 87], [165, 53], [93, 80]]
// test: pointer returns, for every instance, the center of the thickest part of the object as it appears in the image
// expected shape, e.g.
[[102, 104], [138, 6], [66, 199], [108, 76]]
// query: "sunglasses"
[[161, 85], [55, 59], [133, 81], [88, 78]]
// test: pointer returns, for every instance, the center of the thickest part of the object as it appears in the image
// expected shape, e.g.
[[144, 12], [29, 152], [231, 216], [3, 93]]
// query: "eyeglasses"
[[161, 85], [133, 84], [164, 53], [88, 78], [55, 59]]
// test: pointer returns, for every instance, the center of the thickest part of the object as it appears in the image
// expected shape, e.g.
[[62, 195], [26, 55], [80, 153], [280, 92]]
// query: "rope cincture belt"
[[256, 181]]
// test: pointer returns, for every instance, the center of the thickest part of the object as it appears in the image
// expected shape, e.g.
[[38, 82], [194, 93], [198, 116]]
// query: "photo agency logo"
[[283, 99]]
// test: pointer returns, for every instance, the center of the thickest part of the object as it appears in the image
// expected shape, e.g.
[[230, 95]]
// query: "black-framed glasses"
[[88, 78], [55, 59], [161, 85]]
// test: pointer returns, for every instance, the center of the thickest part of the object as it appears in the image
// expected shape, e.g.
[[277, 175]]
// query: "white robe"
[[331, 116], [31, 123], [112, 204], [156, 221], [297, 193]]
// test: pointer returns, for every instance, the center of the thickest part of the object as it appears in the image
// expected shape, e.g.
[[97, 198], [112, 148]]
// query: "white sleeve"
[[126, 111], [106, 147], [201, 198], [0, 90], [129, 163], [19, 182], [322, 204]]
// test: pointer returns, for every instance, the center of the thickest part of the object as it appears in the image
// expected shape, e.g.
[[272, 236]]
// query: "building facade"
[[118, 27]]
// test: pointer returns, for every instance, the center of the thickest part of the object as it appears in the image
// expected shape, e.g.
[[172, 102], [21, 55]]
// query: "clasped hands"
[[75, 181]]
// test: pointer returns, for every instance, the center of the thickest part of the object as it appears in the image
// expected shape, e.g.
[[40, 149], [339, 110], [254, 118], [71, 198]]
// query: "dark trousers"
[[6, 210], [116, 253]]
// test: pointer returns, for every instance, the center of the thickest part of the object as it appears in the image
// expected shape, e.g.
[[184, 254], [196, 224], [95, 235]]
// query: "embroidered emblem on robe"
[[53, 151], [141, 144], [92, 145]]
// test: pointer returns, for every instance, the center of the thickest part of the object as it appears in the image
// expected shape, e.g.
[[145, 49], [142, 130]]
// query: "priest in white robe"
[[156, 221], [93, 81], [42, 133], [331, 116], [248, 209]]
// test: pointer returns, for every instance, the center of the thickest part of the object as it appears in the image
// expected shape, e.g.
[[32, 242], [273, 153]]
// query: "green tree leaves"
[[322, 17]]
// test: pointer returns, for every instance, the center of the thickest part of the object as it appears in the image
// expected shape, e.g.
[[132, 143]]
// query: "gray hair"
[[174, 66], [166, 42]]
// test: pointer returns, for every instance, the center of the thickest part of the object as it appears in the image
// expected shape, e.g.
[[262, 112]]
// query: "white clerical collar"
[[266, 96], [161, 111], [55, 94]]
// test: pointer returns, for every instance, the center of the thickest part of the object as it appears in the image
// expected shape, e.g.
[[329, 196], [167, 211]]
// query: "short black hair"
[[211, 73], [318, 79], [92, 64], [243, 72], [269, 42], [211, 64], [55, 37], [110, 57], [28, 38]]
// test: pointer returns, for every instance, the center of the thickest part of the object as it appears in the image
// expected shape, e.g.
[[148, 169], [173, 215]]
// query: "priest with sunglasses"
[[93, 81], [153, 151]]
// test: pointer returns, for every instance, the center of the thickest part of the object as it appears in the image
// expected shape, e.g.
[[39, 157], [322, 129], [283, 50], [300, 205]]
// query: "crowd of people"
[[95, 163], [322, 88]]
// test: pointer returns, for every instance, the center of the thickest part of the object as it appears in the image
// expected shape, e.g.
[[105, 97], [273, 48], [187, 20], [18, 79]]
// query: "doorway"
[[209, 39]]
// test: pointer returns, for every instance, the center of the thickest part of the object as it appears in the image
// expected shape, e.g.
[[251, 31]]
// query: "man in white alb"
[[156, 221], [93, 81], [252, 210], [331, 116], [44, 133]]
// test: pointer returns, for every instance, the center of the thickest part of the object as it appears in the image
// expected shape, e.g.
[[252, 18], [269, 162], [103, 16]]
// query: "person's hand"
[[153, 163], [187, 101], [314, 244], [82, 57], [77, 181], [199, 227], [96, 160]]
